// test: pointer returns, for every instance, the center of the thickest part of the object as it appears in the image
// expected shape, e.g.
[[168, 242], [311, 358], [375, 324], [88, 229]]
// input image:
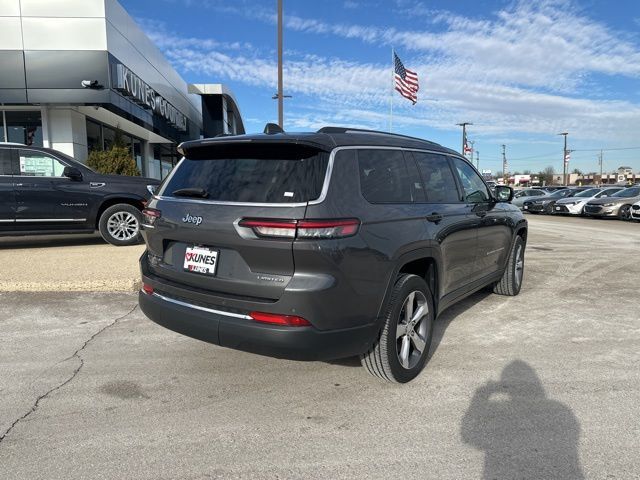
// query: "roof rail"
[[370, 132], [13, 143]]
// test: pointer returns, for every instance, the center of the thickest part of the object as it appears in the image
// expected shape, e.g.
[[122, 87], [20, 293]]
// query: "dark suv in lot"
[[43, 191], [323, 245]]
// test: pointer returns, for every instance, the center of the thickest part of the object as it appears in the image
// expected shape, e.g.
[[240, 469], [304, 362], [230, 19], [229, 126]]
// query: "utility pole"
[[565, 159], [600, 163], [504, 166], [280, 97], [478, 159], [472, 142], [464, 135]]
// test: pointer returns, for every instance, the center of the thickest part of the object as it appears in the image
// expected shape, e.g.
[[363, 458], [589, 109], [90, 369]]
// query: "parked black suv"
[[325, 245], [43, 191]]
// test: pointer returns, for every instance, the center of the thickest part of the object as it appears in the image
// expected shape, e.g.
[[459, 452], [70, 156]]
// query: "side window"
[[475, 191], [5, 162], [383, 176], [39, 164], [439, 183]]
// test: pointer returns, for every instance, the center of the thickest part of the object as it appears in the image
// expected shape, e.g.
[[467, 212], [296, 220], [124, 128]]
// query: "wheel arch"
[[424, 263], [134, 201]]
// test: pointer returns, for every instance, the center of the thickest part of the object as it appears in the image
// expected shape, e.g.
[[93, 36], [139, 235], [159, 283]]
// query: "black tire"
[[383, 359], [511, 280], [120, 225], [624, 213]]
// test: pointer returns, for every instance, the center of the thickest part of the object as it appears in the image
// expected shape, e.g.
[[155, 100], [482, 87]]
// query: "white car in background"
[[575, 205], [635, 212]]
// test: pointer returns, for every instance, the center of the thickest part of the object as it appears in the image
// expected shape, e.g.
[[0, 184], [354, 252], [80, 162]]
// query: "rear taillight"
[[327, 228], [271, 228], [309, 229], [148, 289], [277, 319], [150, 215]]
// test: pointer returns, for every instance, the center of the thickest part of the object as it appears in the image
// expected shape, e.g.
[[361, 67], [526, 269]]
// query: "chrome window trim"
[[7, 220], [202, 309], [325, 184]]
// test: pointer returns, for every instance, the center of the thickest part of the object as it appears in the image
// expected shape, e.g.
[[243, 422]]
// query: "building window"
[[102, 137], [165, 158], [23, 127], [94, 136]]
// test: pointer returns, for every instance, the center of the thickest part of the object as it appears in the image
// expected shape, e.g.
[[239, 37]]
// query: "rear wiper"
[[191, 192]]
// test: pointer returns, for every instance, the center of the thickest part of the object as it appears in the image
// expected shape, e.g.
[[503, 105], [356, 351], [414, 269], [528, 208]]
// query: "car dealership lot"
[[92, 389]]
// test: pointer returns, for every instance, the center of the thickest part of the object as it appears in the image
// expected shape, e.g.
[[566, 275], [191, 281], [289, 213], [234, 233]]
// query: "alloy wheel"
[[412, 329], [123, 226], [519, 266]]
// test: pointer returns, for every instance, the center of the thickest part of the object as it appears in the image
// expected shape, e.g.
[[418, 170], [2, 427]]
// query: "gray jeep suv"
[[317, 246]]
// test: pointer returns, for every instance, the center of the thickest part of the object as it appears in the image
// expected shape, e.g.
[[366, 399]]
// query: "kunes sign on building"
[[132, 86]]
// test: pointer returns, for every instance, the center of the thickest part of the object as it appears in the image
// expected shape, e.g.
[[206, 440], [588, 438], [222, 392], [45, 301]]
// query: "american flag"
[[406, 81]]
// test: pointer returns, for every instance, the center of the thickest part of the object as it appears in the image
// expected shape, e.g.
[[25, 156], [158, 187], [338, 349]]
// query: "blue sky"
[[521, 71]]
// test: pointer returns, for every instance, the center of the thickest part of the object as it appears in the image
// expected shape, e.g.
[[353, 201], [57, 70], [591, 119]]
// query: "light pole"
[[464, 134], [565, 161], [505, 167], [280, 95]]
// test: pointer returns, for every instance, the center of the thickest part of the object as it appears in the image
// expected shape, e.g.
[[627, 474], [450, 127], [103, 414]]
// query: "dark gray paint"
[[11, 70], [65, 69]]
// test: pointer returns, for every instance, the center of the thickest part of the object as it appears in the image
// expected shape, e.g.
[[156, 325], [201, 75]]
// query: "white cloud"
[[524, 70]]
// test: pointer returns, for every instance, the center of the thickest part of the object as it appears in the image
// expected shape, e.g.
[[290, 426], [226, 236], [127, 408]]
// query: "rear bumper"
[[236, 330]]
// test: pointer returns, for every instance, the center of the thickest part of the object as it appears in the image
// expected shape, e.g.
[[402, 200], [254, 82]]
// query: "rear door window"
[[384, 177], [252, 174], [437, 177]]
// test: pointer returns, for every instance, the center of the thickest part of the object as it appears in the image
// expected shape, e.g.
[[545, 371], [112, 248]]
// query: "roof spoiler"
[[271, 128]]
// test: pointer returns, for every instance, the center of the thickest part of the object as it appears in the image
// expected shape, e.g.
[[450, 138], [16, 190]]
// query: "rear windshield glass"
[[253, 176]]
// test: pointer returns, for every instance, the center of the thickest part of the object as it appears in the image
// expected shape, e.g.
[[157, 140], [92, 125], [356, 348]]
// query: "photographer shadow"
[[523, 433]]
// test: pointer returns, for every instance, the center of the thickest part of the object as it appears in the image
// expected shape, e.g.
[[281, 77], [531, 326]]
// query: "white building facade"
[[74, 74]]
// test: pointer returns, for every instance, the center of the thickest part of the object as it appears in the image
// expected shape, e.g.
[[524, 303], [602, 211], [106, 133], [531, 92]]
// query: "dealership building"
[[76, 74]]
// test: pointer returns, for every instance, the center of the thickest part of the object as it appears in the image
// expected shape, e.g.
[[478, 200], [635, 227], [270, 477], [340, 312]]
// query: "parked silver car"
[[527, 194], [617, 205], [635, 211], [575, 205]]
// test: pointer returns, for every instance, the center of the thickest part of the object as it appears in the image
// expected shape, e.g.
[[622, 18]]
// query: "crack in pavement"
[[75, 354]]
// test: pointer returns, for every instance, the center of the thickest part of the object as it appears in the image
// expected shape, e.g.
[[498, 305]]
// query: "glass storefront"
[[21, 127], [165, 158], [102, 137]]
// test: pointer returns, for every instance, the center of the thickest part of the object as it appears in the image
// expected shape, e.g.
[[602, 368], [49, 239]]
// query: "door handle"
[[434, 217]]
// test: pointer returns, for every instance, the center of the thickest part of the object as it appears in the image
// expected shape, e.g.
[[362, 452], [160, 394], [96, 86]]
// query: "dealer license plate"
[[557, 208], [201, 260], [526, 207]]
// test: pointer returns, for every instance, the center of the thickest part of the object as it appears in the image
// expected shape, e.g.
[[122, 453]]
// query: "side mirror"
[[72, 173], [152, 189], [503, 193]]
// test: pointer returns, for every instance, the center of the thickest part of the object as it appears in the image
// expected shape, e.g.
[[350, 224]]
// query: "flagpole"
[[392, 88]]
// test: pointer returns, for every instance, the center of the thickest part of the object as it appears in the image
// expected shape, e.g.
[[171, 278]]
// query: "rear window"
[[384, 177], [255, 174]]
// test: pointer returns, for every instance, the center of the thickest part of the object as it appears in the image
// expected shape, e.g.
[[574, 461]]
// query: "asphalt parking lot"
[[543, 385]]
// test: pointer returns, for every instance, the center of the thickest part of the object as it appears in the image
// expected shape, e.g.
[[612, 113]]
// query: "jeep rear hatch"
[[201, 208]]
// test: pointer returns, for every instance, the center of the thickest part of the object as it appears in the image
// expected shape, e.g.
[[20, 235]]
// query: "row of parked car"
[[621, 202]]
